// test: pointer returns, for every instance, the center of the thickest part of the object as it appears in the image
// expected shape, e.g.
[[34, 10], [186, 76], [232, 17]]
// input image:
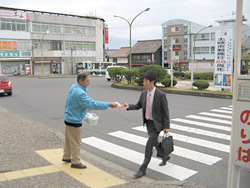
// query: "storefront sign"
[[9, 53], [8, 45], [14, 15], [223, 60], [106, 35]]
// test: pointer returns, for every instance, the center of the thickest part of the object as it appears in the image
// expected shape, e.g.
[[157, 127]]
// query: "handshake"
[[122, 106]]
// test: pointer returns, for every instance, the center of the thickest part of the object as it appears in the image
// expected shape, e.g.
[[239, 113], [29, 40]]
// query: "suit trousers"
[[152, 142], [72, 145]]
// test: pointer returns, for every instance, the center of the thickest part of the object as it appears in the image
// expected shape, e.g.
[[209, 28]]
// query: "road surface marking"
[[179, 151], [194, 141], [169, 169], [208, 125], [7, 176], [226, 108], [221, 111], [215, 115], [200, 131], [92, 176], [210, 119]]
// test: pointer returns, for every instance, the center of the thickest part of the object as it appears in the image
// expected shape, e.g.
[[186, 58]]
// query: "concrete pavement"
[[30, 156]]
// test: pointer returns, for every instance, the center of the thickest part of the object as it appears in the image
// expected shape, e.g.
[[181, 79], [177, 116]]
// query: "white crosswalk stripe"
[[201, 132], [210, 119], [221, 111], [195, 141], [179, 151], [226, 108], [190, 125], [201, 124], [216, 115], [172, 170]]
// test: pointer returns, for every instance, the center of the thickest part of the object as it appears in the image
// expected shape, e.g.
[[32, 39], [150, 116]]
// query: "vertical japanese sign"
[[223, 61], [106, 35], [241, 150]]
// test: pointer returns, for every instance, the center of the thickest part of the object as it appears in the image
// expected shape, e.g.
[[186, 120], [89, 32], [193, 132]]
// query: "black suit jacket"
[[160, 112]]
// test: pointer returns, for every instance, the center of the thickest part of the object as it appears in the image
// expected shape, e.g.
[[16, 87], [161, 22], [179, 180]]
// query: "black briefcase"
[[166, 146]]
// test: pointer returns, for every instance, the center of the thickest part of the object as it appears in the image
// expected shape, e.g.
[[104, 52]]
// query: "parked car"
[[107, 72], [5, 85]]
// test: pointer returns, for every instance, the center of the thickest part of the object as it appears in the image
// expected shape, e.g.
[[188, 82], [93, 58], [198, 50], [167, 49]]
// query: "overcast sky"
[[147, 26]]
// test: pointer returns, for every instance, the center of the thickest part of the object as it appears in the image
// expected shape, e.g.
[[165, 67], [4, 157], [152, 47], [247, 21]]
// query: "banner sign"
[[106, 35], [14, 15], [223, 61]]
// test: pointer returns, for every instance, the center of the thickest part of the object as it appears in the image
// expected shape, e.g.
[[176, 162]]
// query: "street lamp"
[[130, 25], [193, 56], [41, 44]]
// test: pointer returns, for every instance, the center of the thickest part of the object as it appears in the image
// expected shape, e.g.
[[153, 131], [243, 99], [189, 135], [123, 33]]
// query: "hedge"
[[201, 84]]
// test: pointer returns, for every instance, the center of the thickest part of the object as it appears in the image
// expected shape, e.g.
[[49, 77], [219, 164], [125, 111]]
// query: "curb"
[[180, 92]]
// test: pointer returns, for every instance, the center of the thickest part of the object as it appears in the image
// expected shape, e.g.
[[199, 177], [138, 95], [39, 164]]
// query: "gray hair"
[[82, 76]]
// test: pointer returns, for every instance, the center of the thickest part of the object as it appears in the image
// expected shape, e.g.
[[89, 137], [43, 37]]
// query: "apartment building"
[[184, 41], [42, 43]]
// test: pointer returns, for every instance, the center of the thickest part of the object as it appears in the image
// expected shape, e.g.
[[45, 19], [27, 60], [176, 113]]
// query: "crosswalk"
[[208, 130]]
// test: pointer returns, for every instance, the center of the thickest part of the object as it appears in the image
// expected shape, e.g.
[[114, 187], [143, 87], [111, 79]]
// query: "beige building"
[[48, 42]]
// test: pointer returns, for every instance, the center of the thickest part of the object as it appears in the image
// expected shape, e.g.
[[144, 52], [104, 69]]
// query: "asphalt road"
[[43, 100]]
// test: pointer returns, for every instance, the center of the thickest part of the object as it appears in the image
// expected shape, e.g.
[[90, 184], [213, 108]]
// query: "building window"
[[177, 53], [185, 40], [5, 24], [201, 50], [212, 36], [165, 55], [165, 32], [175, 29], [165, 43], [202, 36], [212, 49], [176, 41]]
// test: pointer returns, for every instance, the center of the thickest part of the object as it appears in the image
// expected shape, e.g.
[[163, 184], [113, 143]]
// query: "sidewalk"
[[23, 145]]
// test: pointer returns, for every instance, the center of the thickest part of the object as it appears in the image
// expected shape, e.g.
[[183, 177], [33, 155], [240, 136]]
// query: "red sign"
[[106, 35]]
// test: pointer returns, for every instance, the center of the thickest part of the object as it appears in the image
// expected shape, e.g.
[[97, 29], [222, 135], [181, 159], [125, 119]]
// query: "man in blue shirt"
[[77, 104]]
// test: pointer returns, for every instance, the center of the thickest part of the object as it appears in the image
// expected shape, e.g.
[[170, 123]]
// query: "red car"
[[5, 85]]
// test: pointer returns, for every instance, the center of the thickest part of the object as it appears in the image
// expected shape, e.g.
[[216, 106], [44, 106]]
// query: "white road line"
[[175, 171], [201, 132], [226, 108], [221, 111], [179, 151], [201, 124], [195, 141], [215, 115], [210, 119]]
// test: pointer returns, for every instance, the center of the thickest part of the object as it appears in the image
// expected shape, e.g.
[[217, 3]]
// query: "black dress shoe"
[[139, 174], [81, 166], [66, 160], [164, 161]]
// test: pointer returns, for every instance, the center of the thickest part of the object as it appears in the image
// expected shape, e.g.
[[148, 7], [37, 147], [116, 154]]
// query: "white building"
[[183, 33], [48, 42]]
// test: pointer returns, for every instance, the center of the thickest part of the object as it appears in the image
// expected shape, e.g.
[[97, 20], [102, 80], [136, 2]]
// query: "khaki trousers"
[[72, 145]]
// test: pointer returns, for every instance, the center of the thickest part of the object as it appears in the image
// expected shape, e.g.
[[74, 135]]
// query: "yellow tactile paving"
[[33, 172], [28, 172], [50, 169], [92, 176], [2, 178], [14, 175]]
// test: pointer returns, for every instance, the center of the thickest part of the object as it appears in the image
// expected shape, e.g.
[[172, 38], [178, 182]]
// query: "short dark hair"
[[150, 75], [82, 76]]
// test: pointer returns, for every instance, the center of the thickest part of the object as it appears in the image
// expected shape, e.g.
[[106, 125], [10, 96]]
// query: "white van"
[[107, 73]]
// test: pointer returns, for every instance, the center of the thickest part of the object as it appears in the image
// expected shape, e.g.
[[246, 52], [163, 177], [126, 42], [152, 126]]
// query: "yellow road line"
[[92, 176], [28, 172]]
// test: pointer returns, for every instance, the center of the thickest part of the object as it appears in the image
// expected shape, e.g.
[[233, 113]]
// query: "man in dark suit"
[[155, 114]]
